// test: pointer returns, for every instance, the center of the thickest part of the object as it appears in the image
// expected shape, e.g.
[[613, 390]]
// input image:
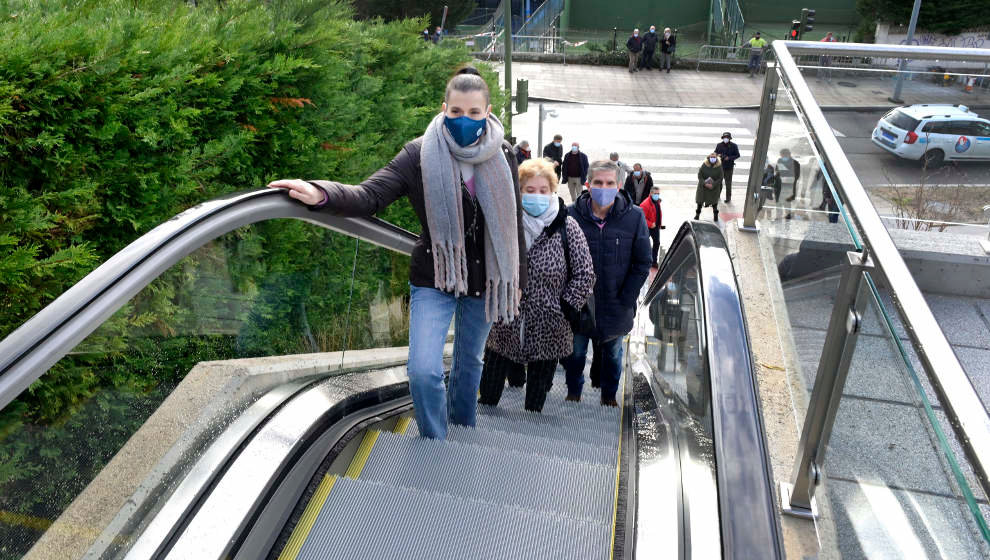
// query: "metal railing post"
[[797, 499], [768, 103]]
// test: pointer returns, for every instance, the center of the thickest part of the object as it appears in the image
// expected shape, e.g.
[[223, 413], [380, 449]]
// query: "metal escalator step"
[[593, 435], [514, 398], [526, 443], [568, 488], [364, 519], [606, 425]]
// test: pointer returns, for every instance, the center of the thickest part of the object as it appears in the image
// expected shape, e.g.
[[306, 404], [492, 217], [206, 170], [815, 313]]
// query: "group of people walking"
[[643, 48], [527, 280]]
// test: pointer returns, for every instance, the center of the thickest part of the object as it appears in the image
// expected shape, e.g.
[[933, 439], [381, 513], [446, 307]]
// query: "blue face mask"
[[535, 204], [465, 130], [556, 144], [655, 196], [603, 196], [637, 173]]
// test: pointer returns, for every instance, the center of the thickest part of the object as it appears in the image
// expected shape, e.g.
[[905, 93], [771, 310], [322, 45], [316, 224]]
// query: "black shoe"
[[573, 398], [728, 200], [788, 216], [697, 215], [715, 216], [668, 70], [609, 402]]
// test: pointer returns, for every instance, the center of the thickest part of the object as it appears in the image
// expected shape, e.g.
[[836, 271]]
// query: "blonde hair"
[[532, 168]]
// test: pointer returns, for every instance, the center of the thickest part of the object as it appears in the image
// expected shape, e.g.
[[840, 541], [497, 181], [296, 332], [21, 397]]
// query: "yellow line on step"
[[363, 451], [402, 425], [308, 519], [618, 466]]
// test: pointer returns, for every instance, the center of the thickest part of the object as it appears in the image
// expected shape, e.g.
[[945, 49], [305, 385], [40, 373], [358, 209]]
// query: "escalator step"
[[526, 443], [520, 421], [577, 490], [364, 519]]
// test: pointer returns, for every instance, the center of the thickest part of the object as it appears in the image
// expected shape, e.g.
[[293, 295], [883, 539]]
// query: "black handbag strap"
[[567, 251]]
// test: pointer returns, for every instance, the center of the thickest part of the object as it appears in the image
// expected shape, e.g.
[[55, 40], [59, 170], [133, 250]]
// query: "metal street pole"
[[896, 98], [539, 134], [507, 26]]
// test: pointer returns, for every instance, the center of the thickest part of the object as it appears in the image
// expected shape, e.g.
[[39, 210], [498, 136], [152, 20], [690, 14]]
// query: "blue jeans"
[[611, 369], [754, 62], [430, 311]]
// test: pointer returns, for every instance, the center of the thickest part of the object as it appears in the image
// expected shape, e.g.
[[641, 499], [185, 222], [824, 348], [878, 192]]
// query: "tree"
[[950, 17], [402, 9]]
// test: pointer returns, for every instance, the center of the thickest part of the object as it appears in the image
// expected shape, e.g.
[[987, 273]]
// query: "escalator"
[[328, 465]]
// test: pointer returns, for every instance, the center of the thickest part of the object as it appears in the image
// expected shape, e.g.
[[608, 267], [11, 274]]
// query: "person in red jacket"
[[654, 220]]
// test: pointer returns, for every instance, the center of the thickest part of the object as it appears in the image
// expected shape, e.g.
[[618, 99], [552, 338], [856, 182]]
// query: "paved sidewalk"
[[690, 88]]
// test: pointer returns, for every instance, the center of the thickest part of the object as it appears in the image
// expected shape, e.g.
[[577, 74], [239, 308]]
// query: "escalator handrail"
[[750, 525], [28, 352]]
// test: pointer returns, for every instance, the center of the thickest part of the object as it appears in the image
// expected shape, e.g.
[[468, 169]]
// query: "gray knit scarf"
[[496, 195]]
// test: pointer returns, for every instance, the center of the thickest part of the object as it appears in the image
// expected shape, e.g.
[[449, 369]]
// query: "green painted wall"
[[628, 14], [768, 11]]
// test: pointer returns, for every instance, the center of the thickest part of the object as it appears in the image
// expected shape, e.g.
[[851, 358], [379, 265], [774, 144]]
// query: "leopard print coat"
[[546, 334]]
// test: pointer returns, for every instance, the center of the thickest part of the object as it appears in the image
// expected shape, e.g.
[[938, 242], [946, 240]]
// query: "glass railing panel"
[[272, 288]]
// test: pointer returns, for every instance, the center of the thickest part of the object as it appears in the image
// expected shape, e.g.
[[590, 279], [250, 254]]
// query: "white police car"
[[934, 133]]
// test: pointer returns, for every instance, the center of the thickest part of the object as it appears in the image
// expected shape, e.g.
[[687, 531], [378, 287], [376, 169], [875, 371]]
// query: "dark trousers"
[[610, 371], [655, 241], [646, 59], [537, 376], [697, 211], [727, 173]]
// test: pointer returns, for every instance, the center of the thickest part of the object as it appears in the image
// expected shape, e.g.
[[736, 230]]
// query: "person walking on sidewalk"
[[789, 171], [624, 168], [554, 152], [650, 41], [667, 47], [638, 184], [728, 152], [620, 250], [635, 46], [654, 220], [756, 47], [469, 263], [709, 185], [526, 350], [575, 170]]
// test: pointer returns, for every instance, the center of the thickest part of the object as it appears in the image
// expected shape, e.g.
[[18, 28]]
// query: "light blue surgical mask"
[[574, 149], [464, 129], [655, 196], [785, 159], [637, 173], [603, 196], [556, 144], [535, 204]]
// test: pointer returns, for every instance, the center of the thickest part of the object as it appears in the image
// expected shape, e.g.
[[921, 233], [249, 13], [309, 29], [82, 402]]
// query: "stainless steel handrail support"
[[966, 413], [768, 104], [833, 368]]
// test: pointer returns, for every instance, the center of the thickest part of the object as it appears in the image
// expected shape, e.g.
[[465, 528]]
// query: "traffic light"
[[795, 30], [807, 21]]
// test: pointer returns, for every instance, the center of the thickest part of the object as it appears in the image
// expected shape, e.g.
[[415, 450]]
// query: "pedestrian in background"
[[789, 171], [554, 152], [825, 70], [527, 349], [575, 170], [650, 41], [667, 47], [624, 168], [620, 250], [728, 152], [654, 220], [437, 35], [635, 46], [709, 185], [756, 48], [426, 34], [523, 153], [638, 184]]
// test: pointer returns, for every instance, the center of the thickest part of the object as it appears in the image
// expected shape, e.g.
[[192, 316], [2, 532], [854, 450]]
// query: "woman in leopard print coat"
[[526, 350]]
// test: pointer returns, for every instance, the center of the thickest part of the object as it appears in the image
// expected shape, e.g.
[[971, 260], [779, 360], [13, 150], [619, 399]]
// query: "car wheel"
[[933, 158]]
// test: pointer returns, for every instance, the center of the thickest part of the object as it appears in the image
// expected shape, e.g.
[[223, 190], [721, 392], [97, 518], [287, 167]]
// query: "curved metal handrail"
[[745, 483], [28, 352]]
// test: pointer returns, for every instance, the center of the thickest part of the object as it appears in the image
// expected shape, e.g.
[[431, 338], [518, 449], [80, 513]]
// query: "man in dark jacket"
[[554, 151], [635, 45], [649, 48], [728, 152], [575, 170], [522, 151], [620, 250], [638, 185]]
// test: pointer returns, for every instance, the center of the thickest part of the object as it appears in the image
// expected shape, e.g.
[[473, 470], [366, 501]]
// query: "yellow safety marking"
[[361, 457], [29, 521], [402, 425], [308, 519], [618, 466]]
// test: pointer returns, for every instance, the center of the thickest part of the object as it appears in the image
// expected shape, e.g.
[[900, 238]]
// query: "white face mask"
[[712, 160], [666, 34], [725, 140], [635, 34]]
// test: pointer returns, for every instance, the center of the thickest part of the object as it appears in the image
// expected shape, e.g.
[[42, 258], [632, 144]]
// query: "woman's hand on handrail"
[[299, 190]]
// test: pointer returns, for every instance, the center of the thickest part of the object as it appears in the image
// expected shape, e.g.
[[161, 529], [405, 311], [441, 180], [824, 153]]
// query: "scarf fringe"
[[502, 301], [450, 267]]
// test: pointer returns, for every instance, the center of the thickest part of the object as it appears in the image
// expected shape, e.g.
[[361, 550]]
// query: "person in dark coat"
[[654, 220], [728, 152], [461, 180], [554, 151], [650, 41], [575, 170], [789, 172], [620, 249], [668, 44], [527, 349], [635, 46], [639, 183], [522, 152], [709, 185]]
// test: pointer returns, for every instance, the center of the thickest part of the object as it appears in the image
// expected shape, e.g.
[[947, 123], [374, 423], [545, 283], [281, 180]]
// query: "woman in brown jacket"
[[469, 264], [526, 349]]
